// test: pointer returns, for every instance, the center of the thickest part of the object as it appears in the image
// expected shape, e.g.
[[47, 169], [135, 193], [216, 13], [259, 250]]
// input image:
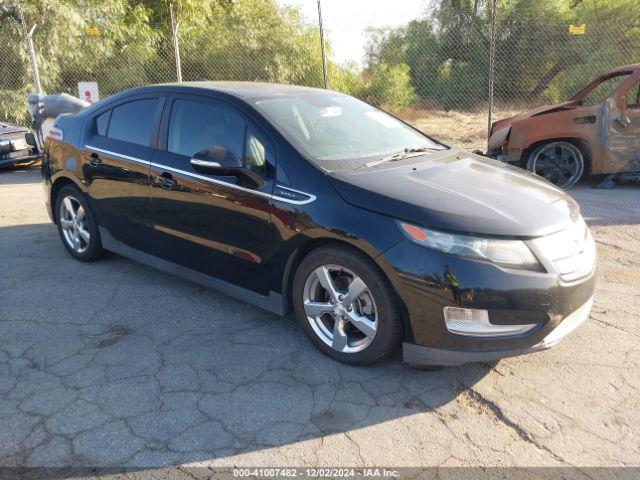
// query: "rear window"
[[132, 121]]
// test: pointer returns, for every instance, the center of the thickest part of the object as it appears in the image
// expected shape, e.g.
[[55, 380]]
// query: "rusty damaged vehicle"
[[596, 132]]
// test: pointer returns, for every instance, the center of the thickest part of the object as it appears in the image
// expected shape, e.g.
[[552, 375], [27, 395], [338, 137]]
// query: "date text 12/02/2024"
[[315, 472]]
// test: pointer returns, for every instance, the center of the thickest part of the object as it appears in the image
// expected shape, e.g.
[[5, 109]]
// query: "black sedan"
[[311, 201]]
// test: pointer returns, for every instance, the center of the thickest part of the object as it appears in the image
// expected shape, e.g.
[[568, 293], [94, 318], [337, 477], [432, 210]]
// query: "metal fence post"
[[324, 56], [176, 46], [32, 50], [492, 61]]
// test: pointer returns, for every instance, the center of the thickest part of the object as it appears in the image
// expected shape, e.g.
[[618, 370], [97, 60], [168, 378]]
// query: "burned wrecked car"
[[596, 132]]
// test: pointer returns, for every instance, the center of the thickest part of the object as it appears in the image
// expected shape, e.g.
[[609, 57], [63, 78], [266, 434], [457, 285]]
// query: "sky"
[[345, 21]]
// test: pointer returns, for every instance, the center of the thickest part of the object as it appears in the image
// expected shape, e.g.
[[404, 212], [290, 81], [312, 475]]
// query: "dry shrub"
[[463, 129]]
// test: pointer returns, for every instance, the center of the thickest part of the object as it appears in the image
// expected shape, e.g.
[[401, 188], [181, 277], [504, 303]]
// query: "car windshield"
[[603, 90], [339, 131]]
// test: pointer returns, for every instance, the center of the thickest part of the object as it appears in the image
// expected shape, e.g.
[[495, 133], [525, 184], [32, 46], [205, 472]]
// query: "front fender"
[[299, 230]]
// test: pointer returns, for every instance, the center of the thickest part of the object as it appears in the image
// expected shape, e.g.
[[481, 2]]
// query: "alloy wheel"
[[561, 163], [340, 308], [73, 221]]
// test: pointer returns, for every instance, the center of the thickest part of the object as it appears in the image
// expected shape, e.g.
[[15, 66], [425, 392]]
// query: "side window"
[[132, 121], [194, 126], [102, 121]]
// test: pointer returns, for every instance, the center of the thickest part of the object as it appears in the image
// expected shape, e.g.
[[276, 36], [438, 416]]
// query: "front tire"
[[561, 163], [346, 306], [76, 225]]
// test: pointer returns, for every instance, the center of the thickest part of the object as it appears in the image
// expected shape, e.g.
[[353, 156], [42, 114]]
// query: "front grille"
[[571, 252]]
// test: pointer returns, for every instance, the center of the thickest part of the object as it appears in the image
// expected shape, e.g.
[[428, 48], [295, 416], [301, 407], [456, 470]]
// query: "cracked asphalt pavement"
[[115, 363]]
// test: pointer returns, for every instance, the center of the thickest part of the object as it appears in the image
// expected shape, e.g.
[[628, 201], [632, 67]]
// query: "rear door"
[[118, 150], [216, 225]]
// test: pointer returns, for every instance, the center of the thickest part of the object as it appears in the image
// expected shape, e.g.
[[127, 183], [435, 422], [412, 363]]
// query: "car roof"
[[244, 90]]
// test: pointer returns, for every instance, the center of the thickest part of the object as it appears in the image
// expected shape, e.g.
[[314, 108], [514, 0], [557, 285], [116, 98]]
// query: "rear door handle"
[[95, 159]]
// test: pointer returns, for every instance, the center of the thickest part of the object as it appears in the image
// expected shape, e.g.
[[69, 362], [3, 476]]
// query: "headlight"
[[507, 253], [571, 251]]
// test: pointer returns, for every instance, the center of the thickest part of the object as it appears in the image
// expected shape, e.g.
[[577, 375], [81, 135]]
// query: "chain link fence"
[[434, 71]]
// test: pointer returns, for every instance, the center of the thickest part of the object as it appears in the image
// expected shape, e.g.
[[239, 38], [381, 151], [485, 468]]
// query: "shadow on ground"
[[19, 174], [114, 363]]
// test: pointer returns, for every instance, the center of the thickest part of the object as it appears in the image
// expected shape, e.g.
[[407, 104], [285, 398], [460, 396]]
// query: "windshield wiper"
[[406, 153]]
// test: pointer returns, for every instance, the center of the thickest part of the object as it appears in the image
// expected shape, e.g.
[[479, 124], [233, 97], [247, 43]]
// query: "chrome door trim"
[[210, 180], [124, 157]]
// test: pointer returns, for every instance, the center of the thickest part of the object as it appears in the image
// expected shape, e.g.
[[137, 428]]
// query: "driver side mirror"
[[221, 161]]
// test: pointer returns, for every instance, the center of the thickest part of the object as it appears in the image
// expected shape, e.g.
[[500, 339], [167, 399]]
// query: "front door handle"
[[623, 121]]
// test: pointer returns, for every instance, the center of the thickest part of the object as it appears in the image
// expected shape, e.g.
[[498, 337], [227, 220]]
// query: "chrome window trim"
[[211, 180]]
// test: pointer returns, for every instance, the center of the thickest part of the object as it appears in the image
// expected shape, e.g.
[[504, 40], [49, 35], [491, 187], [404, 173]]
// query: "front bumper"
[[17, 145], [427, 281], [506, 155], [419, 355]]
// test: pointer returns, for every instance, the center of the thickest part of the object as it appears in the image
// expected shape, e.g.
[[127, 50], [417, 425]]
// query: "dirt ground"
[[115, 363]]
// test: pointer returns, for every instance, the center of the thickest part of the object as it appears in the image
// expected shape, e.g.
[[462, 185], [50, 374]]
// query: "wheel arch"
[[304, 249], [57, 185]]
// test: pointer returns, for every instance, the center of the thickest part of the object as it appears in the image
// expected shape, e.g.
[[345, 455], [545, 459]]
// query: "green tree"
[[389, 86], [253, 40], [536, 58], [117, 57]]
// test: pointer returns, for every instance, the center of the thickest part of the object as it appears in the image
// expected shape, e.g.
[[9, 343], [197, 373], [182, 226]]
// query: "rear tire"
[[358, 322], [76, 225]]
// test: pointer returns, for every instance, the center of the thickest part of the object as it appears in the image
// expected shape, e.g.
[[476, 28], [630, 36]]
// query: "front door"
[[216, 225], [115, 167], [622, 124]]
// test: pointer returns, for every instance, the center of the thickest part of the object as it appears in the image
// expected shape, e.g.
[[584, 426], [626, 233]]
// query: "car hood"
[[545, 109], [459, 192]]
